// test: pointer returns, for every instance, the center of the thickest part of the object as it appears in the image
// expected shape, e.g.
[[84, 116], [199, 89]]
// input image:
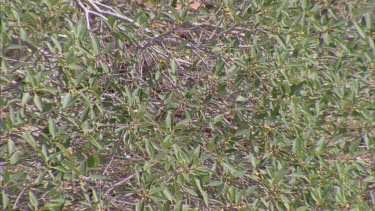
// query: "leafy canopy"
[[187, 105]]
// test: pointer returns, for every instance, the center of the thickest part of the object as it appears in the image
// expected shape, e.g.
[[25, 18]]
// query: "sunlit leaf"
[[66, 100], [33, 199], [52, 127], [11, 146], [15, 158], [218, 118], [4, 199], [38, 103]]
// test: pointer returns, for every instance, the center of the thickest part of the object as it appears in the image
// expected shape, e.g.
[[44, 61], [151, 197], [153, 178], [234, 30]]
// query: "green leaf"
[[66, 153], [229, 167], [11, 147], [140, 206], [355, 145], [297, 146], [15, 158], [183, 13], [105, 67], [182, 45], [238, 82], [111, 21], [158, 199], [241, 99], [38, 103], [82, 168], [57, 44], [178, 206], [23, 34], [49, 89], [81, 27], [173, 106], [75, 67], [191, 191], [93, 160], [232, 194], [207, 99], [281, 41], [128, 93], [360, 30], [61, 169], [96, 143], [218, 118], [26, 98], [98, 177], [85, 114], [240, 173], [327, 38], [168, 120], [205, 198], [173, 65], [303, 208], [215, 183], [5, 200], [219, 66], [52, 127], [204, 11], [320, 145], [168, 194], [95, 44], [44, 153], [33, 199], [173, 14], [66, 100], [87, 101], [149, 148], [371, 42], [108, 48], [155, 190]]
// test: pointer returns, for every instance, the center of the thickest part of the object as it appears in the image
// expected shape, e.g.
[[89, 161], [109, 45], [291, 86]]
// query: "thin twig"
[[121, 182], [18, 198]]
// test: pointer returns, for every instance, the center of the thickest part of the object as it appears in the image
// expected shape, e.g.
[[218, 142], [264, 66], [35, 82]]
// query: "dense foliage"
[[215, 105]]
